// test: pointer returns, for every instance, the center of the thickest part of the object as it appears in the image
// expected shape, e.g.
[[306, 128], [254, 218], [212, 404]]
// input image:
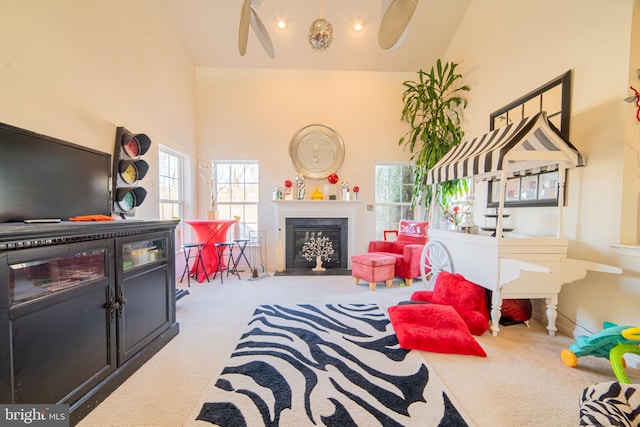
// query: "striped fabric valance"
[[529, 146]]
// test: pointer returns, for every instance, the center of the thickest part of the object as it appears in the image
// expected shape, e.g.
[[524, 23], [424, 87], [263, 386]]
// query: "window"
[[171, 183], [394, 192], [236, 189], [530, 190]]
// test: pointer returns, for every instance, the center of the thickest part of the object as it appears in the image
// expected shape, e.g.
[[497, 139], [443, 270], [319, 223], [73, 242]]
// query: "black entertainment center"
[[82, 304]]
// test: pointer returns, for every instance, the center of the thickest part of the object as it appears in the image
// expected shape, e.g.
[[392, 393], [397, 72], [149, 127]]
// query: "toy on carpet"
[[611, 343]]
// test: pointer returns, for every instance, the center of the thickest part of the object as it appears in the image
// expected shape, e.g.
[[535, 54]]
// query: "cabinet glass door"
[[145, 283], [32, 279], [136, 254]]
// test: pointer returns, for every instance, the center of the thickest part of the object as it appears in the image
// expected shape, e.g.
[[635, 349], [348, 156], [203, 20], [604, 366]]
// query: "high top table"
[[210, 232]]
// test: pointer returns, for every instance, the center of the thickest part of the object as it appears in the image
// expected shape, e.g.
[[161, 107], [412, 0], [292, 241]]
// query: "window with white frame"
[[236, 189], [171, 184], [394, 190]]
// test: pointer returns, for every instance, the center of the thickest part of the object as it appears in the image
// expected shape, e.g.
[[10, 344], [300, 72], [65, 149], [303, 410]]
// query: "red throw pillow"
[[412, 232], [435, 328], [466, 297], [423, 296]]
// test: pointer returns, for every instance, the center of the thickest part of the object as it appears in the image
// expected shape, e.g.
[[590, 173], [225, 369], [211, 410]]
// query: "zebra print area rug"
[[333, 365]]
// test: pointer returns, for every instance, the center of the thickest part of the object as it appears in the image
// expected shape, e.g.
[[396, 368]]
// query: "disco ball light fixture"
[[320, 34]]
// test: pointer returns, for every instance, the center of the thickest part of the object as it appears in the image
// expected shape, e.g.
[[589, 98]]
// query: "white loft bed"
[[509, 266]]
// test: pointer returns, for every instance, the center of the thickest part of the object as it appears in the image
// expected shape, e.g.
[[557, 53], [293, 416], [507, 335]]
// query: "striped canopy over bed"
[[531, 145]]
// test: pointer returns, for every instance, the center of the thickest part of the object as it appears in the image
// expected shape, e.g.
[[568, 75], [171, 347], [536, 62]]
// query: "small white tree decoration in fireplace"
[[318, 249]]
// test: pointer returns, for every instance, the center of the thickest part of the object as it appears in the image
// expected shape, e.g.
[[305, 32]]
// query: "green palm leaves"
[[433, 108]]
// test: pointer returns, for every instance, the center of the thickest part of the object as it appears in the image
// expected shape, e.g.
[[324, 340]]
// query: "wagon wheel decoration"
[[434, 259]]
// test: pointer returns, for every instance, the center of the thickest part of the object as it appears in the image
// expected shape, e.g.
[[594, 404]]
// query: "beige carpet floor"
[[522, 382]]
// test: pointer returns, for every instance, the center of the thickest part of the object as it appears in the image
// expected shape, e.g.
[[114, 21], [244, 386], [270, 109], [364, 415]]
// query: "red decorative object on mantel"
[[333, 178], [637, 102], [356, 190], [288, 183]]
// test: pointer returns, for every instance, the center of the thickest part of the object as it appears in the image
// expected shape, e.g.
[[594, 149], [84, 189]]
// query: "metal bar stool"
[[231, 262], [199, 264], [242, 244]]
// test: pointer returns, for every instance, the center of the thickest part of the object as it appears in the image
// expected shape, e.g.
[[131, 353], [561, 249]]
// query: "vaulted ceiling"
[[209, 30]]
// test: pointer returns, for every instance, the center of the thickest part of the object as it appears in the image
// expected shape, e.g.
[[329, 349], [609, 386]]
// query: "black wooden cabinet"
[[82, 306]]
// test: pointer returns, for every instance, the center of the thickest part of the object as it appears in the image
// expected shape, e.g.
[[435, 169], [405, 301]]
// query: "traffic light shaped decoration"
[[128, 170]]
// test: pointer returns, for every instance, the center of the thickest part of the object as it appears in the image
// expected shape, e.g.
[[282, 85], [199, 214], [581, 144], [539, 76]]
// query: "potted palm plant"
[[433, 107]]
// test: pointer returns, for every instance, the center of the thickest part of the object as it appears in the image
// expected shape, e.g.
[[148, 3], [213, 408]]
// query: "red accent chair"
[[406, 249]]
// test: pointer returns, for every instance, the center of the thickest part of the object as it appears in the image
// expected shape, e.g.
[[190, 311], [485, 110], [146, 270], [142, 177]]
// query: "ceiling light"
[[320, 32], [358, 25], [282, 24]]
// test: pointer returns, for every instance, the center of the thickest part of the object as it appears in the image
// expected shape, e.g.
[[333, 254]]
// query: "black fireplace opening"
[[300, 230]]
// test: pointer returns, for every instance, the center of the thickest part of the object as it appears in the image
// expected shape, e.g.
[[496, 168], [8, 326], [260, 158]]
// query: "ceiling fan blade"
[[262, 34], [243, 30], [395, 22]]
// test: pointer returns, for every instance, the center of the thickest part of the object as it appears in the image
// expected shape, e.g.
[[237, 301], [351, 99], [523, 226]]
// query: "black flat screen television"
[[46, 178]]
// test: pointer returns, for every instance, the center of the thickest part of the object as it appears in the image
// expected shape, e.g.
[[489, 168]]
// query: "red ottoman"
[[372, 268]]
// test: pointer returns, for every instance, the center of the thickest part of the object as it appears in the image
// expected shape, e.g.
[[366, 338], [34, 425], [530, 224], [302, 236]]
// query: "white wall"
[[77, 69], [510, 48], [630, 222], [248, 114]]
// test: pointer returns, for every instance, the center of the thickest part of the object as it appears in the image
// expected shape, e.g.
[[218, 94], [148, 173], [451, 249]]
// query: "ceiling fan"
[[248, 16], [394, 24]]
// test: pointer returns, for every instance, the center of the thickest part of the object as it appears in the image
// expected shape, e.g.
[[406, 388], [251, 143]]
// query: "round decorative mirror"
[[316, 151]]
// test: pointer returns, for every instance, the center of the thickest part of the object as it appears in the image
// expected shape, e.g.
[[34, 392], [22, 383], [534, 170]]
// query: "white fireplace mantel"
[[318, 209]]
